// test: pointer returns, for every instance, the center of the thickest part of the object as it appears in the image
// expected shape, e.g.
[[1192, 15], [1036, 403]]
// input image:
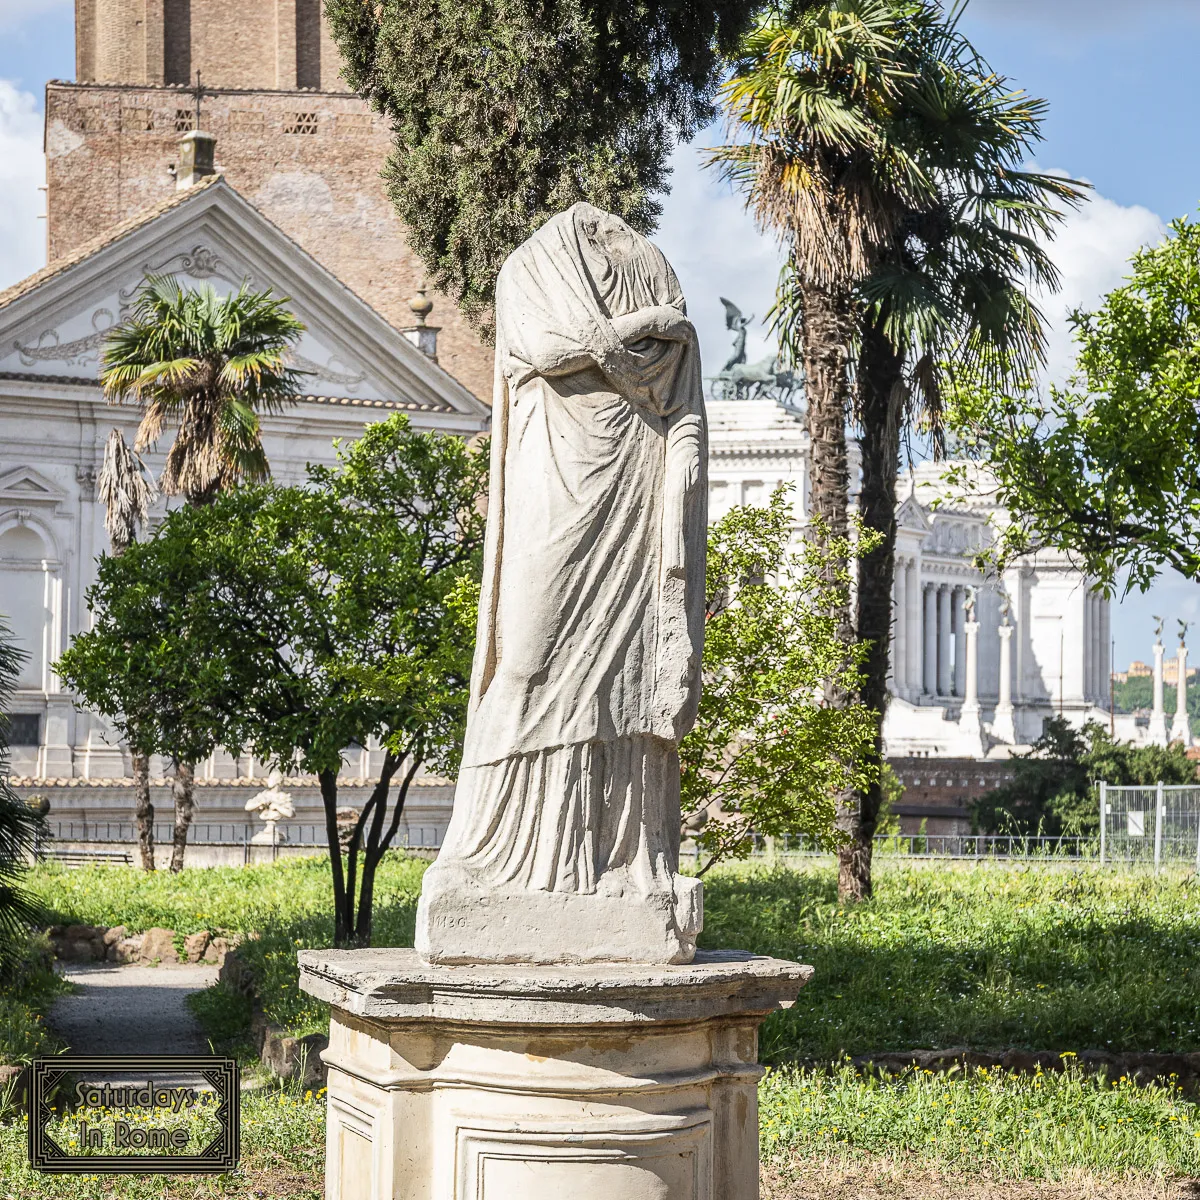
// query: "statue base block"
[[590, 1082], [458, 923]]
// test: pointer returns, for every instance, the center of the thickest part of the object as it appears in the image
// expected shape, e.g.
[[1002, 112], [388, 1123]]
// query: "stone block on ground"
[[260, 1027], [74, 933], [115, 934], [195, 945], [291, 1057], [158, 945], [236, 974], [1027, 1061], [216, 950], [1149, 1067], [80, 950], [127, 950]]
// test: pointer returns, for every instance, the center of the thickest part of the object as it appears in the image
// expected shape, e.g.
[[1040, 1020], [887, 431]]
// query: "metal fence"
[[1155, 824], [950, 846], [237, 835]]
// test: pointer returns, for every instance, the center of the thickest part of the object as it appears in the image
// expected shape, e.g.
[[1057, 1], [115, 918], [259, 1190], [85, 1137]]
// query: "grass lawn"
[[283, 1155], [949, 955], [984, 956]]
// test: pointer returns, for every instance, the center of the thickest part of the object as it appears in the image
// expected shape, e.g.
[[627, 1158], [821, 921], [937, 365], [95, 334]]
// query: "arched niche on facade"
[[30, 596]]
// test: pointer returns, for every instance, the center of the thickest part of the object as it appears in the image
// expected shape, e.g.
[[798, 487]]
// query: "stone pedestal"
[[591, 1082]]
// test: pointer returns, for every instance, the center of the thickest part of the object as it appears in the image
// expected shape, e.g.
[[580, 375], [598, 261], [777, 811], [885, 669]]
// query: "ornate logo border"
[[219, 1156]]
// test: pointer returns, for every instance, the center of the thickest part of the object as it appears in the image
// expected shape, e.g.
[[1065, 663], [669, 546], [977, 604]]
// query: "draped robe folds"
[[564, 841]]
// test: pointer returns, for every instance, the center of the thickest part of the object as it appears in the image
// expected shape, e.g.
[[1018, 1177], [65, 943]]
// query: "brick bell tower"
[[264, 77]]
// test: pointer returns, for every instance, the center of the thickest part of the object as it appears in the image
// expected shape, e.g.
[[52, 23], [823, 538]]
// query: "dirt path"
[[883, 1179], [131, 1010]]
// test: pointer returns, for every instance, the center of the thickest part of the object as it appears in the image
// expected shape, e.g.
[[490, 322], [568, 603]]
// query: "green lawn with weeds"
[[986, 956], [29, 988], [282, 1155], [945, 955], [1044, 1126]]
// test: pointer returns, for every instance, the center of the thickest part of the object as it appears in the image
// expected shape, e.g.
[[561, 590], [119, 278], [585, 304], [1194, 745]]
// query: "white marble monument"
[[555, 1032]]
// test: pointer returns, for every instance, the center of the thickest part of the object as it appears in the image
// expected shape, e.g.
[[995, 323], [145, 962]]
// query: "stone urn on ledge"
[[555, 1032]]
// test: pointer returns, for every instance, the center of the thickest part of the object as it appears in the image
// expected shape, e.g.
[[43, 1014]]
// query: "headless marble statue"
[[564, 842]]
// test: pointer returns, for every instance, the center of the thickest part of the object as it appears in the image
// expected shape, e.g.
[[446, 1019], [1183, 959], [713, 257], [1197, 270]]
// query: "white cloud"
[[22, 172], [1092, 252], [712, 243], [14, 13], [714, 246]]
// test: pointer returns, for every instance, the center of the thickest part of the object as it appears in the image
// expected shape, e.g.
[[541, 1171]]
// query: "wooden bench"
[[83, 858]]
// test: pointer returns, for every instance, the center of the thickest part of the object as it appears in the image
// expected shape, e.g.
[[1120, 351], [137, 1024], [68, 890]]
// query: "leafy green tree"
[[873, 139], [508, 111], [299, 621], [138, 663], [19, 823], [1052, 792], [209, 365], [1107, 467], [1138, 692], [768, 755]]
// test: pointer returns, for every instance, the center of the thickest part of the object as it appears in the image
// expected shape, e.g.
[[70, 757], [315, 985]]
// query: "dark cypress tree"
[[508, 111]]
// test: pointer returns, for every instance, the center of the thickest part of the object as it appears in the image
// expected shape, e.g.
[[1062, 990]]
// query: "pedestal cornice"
[[397, 985]]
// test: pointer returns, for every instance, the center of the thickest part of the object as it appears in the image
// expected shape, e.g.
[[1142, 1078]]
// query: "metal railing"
[[949, 846], [1153, 824], [235, 835]]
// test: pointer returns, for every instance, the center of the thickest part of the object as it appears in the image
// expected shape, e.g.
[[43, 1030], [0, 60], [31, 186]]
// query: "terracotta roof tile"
[[86, 249]]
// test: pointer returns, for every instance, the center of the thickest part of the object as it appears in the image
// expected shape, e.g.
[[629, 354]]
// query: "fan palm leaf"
[[208, 365]]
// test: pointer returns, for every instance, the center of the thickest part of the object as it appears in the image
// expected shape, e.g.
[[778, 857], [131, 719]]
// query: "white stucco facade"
[[1052, 649], [54, 422]]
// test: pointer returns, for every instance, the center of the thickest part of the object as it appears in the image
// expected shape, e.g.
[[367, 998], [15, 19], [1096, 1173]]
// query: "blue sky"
[[1120, 78]]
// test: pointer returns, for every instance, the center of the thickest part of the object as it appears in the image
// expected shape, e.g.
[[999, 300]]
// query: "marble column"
[[1003, 727], [931, 640], [1093, 642], [1181, 727], [1089, 645], [1106, 650], [898, 658], [970, 727], [1158, 718], [943, 640], [958, 622], [914, 615], [971, 689]]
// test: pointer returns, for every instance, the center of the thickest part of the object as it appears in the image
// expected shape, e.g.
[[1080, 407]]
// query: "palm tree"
[[812, 155], [209, 365], [126, 492], [884, 109]]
